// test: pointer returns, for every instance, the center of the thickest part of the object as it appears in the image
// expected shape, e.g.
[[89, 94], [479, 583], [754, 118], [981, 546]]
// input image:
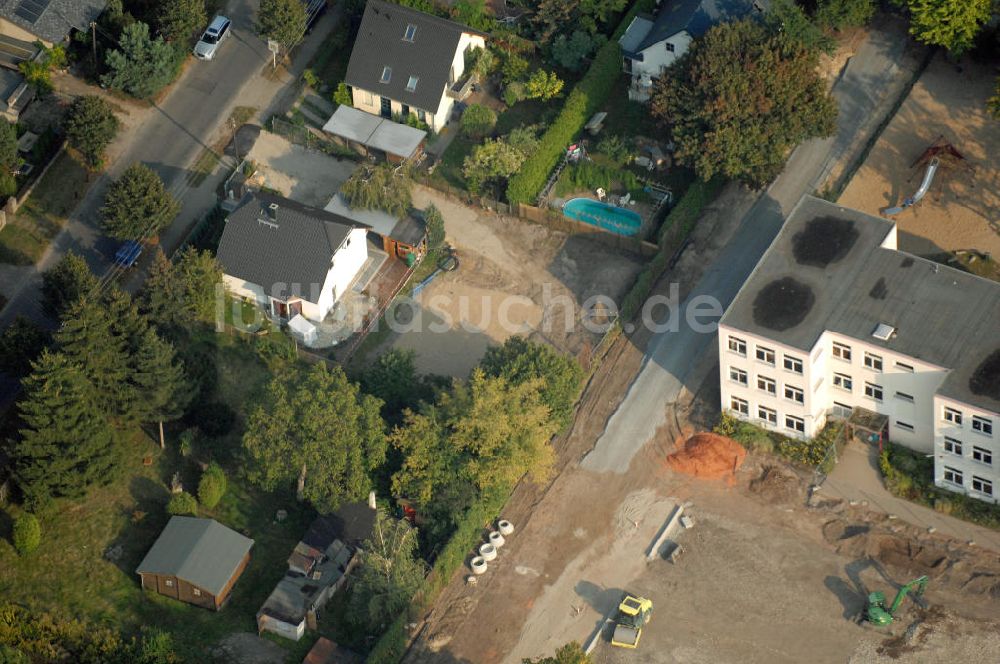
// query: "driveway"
[[307, 176], [859, 94]]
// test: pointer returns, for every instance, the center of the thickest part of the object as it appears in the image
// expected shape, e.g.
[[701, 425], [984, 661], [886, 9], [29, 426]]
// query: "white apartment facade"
[[794, 388]]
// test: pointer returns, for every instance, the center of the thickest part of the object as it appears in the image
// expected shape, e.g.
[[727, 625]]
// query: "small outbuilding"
[[302, 329], [197, 561], [399, 236], [372, 135]]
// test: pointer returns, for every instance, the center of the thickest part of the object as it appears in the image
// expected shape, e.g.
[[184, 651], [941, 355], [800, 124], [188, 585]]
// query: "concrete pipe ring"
[[478, 565], [496, 539], [505, 527], [488, 552]]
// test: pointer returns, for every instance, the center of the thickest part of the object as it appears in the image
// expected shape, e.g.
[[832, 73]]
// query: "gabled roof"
[[352, 523], [51, 20], [694, 17], [406, 229], [292, 245], [202, 552], [428, 57], [835, 256]]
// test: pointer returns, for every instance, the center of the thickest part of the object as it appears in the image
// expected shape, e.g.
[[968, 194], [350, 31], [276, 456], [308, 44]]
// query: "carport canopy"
[[374, 132]]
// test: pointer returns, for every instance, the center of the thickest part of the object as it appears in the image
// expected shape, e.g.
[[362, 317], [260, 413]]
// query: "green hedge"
[[812, 453], [586, 99], [391, 646], [910, 475]]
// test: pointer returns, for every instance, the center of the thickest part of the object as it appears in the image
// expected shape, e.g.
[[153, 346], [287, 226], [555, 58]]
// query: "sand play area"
[[962, 207]]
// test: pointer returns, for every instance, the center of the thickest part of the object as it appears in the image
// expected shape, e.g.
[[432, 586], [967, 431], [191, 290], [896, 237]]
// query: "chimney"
[[371, 499], [272, 212]]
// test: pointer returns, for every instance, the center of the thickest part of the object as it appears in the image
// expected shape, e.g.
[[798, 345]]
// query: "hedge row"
[[813, 453], [675, 229], [391, 646], [586, 98]]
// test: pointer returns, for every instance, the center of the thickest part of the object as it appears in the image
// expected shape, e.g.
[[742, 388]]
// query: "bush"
[[586, 98], [514, 92], [90, 126], [342, 96], [478, 121], [27, 533], [182, 504], [212, 486]]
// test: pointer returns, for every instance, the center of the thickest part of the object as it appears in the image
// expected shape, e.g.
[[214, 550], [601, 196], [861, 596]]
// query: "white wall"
[[242, 288], [655, 59], [969, 438], [347, 261], [281, 628]]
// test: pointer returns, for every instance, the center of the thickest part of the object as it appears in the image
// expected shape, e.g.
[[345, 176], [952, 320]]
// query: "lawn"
[[69, 574], [46, 211]]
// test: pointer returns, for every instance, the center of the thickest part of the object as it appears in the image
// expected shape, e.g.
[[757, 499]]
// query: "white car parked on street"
[[218, 30]]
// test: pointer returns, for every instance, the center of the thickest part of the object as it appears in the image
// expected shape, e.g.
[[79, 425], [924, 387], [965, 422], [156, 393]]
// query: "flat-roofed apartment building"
[[835, 319]]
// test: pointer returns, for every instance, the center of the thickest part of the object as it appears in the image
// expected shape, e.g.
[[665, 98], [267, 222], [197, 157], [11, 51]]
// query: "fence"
[[12, 203]]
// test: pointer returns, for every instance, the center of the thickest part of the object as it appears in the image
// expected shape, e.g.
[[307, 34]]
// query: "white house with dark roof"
[[290, 258], [407, 62], [835, 322], [651, 44]]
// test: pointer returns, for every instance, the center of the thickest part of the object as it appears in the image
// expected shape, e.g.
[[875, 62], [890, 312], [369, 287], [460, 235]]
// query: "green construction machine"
[[878, 614]]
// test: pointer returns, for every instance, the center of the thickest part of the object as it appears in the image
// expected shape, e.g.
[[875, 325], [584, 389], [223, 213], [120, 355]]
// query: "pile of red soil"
[[708, 455]]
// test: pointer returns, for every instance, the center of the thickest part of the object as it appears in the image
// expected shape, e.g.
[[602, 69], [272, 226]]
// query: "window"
[[740, 405], [795, 423], [873, 361], [953, 416], [386, 74], [738, 346], [793, 364], [738, 375], [767, 414], [411, 31], [952, 446], [196, 592], [982, 486], [795, 394], [670, 47], [903, 396], [766, 384], [169, 583], [841, 410], [842, 351], [952, 475], [904, 367], [421, 115], [982, 455], [765, 355], [904, 426], [843, 381], [873, 391], [982, 425], [411, 84]]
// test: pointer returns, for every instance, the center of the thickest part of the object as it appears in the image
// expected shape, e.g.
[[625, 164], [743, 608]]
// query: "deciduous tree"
[[496, 158], [543, 85], [65, 283], [91, 125], [284, 21], [318, 428], [571, 653], [393, 379], [434, 223], [478, 120], [952, 24], [740, 99], [842, 14], [66, 444], [137, 205], [178, 19], [379, 188], [572, 52], [142, 65]]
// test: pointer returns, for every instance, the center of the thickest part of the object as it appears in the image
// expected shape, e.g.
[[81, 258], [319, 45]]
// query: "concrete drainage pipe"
[[488, 552], [496, 539], [478, 565], [506, 528]]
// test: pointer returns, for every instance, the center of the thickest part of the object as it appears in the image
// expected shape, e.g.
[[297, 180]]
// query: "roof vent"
[[884, 332], [269, 217]]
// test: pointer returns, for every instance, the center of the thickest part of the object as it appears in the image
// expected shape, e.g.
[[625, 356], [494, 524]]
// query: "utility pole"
[[93, 42], [236, 145]]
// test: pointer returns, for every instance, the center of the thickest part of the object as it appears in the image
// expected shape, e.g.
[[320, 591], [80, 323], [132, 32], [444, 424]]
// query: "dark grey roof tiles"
[[51, 20]]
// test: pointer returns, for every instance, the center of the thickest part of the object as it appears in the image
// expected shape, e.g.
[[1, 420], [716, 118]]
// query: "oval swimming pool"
[[614, 219]]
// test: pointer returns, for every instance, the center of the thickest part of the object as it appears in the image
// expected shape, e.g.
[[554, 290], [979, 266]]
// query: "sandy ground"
[[306, 176], [514, 277], [962, 209]]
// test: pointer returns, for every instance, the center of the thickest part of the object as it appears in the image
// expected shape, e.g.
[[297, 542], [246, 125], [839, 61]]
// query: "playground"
[[944, 119]]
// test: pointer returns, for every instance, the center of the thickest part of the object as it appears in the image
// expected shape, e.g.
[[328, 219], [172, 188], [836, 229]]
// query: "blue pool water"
[[615, 219]]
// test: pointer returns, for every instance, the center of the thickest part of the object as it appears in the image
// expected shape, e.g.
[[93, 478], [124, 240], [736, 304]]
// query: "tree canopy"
[[65, 283], [163, 390], [137, 205], [317, 427], [142, 65], [178, 19], [841, 14], [478, 120], [740, 99], [284, 21], [571, 653], [182, 291], [498, 158], [379, 187], [90, 126], [21, 343], [952, 24]]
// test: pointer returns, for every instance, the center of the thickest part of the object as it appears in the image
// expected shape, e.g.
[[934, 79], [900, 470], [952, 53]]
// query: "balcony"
[[461, 88]]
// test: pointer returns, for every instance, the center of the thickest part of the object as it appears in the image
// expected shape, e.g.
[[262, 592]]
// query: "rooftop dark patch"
[[907, 262], [782, 304], [985, 380], [823, 241], [879, 290]]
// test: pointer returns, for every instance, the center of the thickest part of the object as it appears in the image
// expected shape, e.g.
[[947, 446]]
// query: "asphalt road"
[[671, 355]]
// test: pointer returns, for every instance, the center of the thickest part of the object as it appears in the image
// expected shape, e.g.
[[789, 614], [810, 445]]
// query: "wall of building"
[[171, 586], [17, 32], [283, 629], [974, 443], [347, 261], [655, 60]]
